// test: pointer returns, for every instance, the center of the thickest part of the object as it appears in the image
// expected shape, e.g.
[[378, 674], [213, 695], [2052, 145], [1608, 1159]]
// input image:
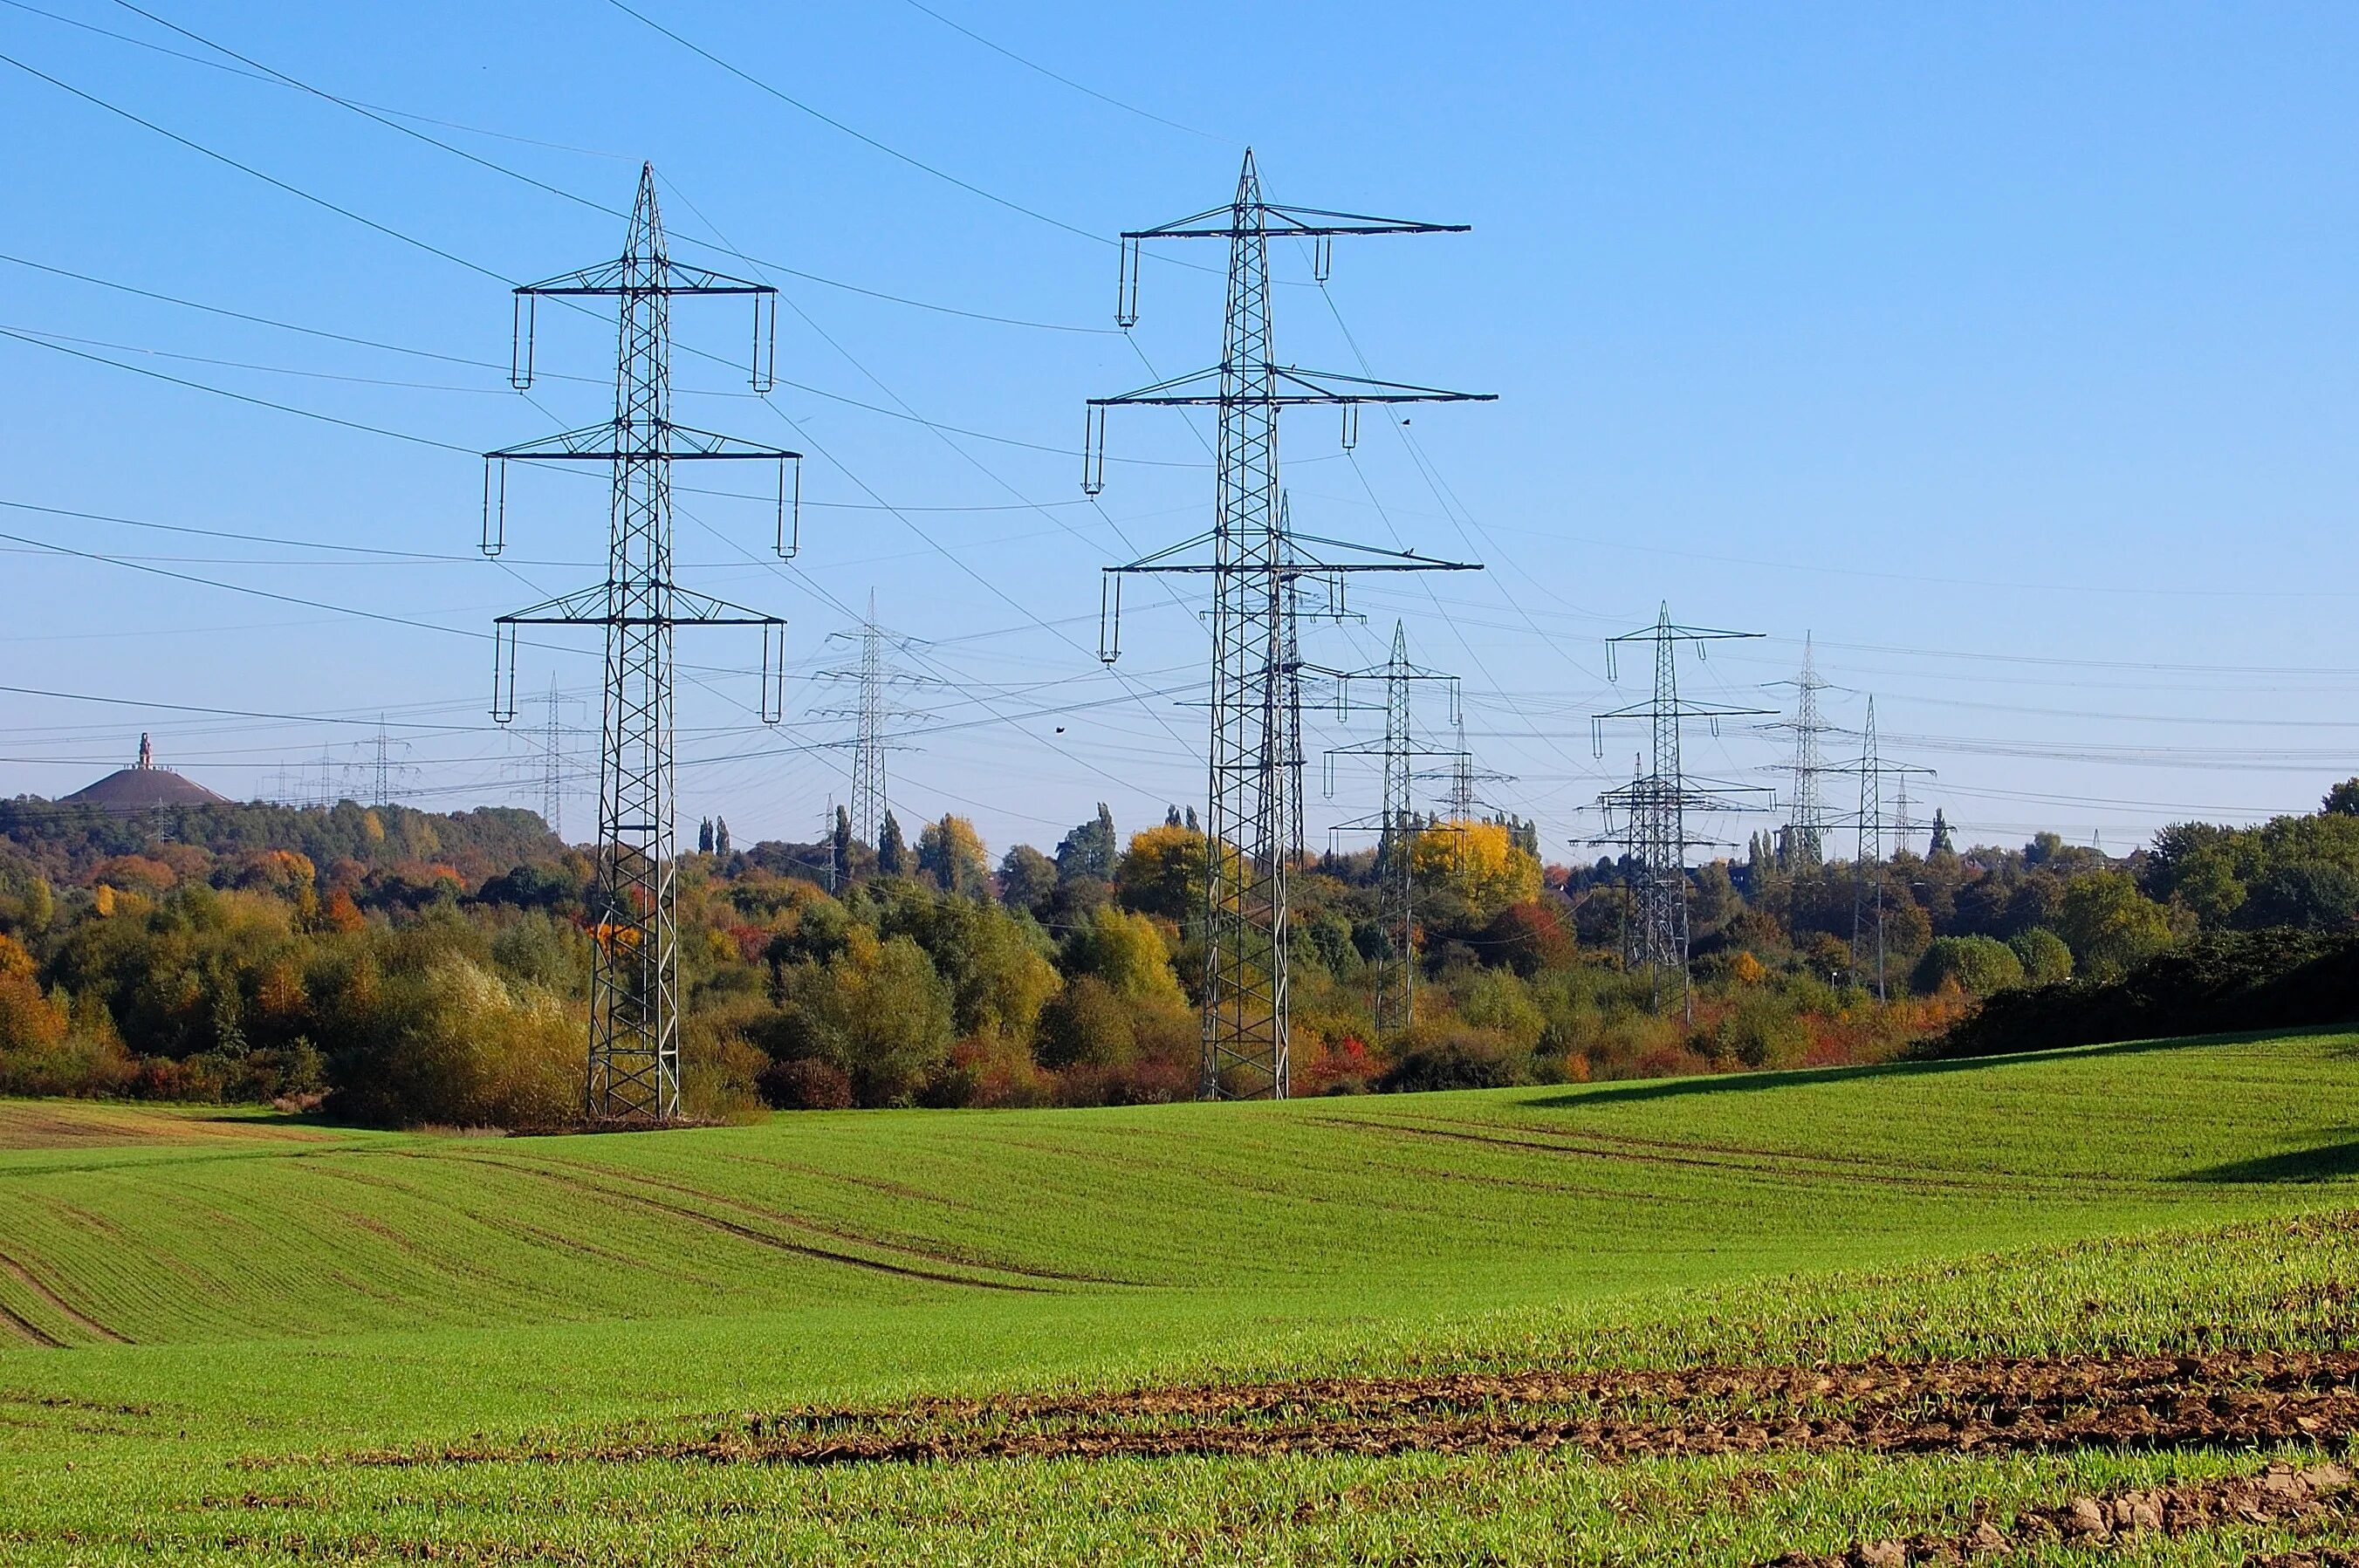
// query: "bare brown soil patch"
[[72, 1124], [1959, 1407], [2281, 1495]]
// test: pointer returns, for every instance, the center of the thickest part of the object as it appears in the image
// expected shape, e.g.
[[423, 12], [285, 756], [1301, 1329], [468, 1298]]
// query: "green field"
[[209, 1319]]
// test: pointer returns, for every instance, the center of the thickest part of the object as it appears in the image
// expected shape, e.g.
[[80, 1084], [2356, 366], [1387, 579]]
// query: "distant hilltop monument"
[[143, 786]]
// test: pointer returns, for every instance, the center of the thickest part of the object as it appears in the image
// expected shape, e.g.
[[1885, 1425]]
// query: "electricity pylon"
[[1655, 805], [385, 760], [552, 759], [873, 716], [1802, 845], [1254, 559], [1396, 827], [1463, 797], [634, 1057], [1867, 855]]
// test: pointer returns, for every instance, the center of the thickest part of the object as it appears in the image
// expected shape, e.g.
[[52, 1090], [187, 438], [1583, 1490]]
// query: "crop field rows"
[[1945, 1311]]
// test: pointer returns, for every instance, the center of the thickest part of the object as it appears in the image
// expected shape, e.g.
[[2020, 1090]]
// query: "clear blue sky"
[[2006, 350]]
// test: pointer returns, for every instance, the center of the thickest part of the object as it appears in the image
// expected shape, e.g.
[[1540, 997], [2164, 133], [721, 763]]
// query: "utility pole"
[[634, 1056], [1254, 558], [1655, 805], [1397, 828], [873, 715]]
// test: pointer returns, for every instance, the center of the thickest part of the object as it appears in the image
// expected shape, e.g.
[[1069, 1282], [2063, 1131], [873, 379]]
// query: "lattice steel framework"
[[1655, 805], [1396, 826], [634, 1056], [552, 761], [875, 715], [1805, 840], [1249, 822], [1868, 853]]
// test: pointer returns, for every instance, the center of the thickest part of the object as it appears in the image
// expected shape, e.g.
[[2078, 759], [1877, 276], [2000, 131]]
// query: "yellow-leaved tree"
[[1479, 862]]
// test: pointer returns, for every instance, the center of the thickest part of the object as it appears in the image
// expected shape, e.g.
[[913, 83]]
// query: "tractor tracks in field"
[[633, 1188], [1984, 1407], [27, 1328], [1737, 1162]]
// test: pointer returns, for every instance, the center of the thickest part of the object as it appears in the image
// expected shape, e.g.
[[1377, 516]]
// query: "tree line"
[[405, 968]]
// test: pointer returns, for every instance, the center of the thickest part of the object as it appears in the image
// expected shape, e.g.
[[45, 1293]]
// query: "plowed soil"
[[2240, 1400], [2280, 1496]]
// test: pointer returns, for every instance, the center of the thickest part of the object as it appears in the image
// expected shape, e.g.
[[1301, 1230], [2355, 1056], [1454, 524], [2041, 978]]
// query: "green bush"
[[2045, 958], [1978, 965]]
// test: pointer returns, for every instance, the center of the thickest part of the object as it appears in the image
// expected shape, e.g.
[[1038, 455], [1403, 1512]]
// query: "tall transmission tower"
[[634, 1056], [1655, 805], [1396, 827], [1868, 855], [1253, 561], [874, 715], [1802, 845]]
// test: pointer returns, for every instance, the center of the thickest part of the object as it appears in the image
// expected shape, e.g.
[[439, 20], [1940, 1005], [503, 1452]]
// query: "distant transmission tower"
[[383, 760], [1804, 842], [1249, 819], [1655, 805], [1397, 827], [633, 1059], [553, 733], [1463, 798], [1868, 856], [874, 716]]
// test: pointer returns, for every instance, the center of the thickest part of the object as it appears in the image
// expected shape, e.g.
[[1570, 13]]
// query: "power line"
[[1062, 80]]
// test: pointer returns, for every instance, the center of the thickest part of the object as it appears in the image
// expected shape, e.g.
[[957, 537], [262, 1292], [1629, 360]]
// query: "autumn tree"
[[951, 853], [1125, 950], [1163, 873], [1478, 863]]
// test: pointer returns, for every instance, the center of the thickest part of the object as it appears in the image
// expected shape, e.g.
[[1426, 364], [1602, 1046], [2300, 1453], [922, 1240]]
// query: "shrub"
[[1761, 1031], [1457, 1058], [806, 1084], [1086, 1024], [456, 1046], [1527, 938], [2045, 958], [1977, 964]]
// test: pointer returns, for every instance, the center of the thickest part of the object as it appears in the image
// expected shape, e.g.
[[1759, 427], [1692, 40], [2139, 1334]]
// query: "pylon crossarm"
[[627, 274], [1300, 222], [1203, 388], [605, 443]]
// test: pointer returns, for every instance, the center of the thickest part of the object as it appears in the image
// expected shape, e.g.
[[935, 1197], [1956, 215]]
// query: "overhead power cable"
[[247, 168], [369, 112], [1082, 88]]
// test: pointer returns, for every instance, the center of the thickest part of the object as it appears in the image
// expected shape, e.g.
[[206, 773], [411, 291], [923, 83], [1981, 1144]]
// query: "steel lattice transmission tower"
[[1253, 561], [1396, 826], [1803, 845], [552, 759], [873, 715], [1656, 804], [1868, 854], [634, 1057]]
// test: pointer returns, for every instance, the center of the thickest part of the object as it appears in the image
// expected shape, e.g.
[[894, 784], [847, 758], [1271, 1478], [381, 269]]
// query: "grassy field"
[[216, 1327]]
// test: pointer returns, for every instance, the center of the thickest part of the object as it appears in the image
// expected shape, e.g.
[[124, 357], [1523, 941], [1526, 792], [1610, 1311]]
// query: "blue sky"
[[2007, 350]]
